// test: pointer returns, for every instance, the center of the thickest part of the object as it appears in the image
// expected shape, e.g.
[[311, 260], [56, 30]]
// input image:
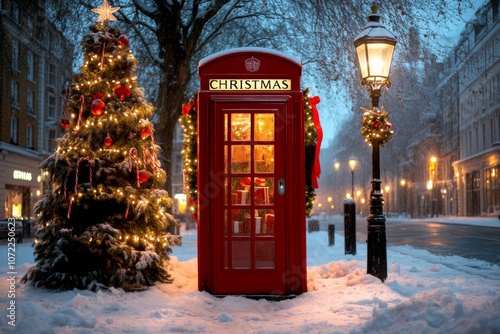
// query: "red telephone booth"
[[251, 188]]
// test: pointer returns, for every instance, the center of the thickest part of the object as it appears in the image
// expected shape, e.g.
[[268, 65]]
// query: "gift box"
[[243, 196], [238, 227], [269, 223], [261, 195], [258, 225]]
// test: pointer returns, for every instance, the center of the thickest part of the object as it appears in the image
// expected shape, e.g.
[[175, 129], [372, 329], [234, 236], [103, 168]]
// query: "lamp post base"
[[377, 243], [376, 250]]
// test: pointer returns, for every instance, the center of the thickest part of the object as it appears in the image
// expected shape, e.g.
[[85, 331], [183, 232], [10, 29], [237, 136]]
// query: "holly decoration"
[[97, 107], [375, 126]]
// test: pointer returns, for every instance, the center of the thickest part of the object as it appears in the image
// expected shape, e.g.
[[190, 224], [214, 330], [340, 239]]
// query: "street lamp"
[[432, 183], [403, 184], [352, 165], [375, 48], [387, 188]]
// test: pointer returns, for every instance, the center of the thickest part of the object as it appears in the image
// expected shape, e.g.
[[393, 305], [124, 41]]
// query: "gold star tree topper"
[[105, 12]]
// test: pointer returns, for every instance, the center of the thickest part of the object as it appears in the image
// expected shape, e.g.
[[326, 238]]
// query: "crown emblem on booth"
[[252, 64]]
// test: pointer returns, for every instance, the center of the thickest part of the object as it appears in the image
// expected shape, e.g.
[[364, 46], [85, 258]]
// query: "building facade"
[[477, 64], [34, 69]]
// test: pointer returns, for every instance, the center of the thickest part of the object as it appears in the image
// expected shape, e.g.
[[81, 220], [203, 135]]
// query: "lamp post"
[[352, 165], [403, 184], [387, 189], [432, 182], [375, 48]]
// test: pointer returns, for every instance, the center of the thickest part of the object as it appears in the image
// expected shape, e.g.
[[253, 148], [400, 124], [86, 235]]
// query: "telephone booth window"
[[249, 183]]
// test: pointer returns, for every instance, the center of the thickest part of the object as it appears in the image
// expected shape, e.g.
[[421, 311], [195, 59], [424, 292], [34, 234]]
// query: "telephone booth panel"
[[251, 238]]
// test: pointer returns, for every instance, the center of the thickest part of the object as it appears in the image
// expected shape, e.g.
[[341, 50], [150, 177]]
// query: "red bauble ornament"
[[108, 141], [375, 125], [122, 92], [389, 125], [64, 123], [123, 41], [146, 132], [143, 176], [97, 107]]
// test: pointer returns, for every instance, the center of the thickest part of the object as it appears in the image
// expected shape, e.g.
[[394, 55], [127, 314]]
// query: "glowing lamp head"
[[352, 163], [375, 48]]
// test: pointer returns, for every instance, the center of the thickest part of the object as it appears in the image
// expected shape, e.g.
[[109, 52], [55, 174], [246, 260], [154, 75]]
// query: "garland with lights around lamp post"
[[189, 152]]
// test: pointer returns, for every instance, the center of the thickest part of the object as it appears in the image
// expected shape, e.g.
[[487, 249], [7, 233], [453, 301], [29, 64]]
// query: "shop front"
[[19, 184]]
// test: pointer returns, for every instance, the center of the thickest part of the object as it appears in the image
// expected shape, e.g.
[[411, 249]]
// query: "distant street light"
[[352, 165], [403, 184], [375, 48], [387, 189]]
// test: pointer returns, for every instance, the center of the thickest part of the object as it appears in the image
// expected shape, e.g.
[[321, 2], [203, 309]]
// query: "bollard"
[[331, 234], [350, 226]]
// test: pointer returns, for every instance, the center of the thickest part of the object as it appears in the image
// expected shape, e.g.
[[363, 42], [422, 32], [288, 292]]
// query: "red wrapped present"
[[243, 196], [261, 195], [269, 223]]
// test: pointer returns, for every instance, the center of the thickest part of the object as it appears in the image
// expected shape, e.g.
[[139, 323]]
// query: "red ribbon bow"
[[186, 108], [313, 101]]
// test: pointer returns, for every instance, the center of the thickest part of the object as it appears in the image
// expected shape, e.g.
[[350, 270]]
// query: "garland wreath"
[[375, 126], [312, 140]]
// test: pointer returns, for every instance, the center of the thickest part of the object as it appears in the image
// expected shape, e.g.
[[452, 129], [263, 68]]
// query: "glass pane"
[[240, 159], [264, 158], [265, 254], [240, 221], [263, 190], [240, 127], [240, 190], [241, 254], [264, 127], [225, 127]]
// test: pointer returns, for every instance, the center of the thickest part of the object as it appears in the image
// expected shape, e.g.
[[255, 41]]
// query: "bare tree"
[[173, 35]]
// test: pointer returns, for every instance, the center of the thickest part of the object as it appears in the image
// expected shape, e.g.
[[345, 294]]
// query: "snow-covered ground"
[[424, 293]]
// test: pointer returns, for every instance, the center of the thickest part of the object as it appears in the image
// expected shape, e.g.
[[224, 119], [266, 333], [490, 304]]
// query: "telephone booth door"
[[251, 231]]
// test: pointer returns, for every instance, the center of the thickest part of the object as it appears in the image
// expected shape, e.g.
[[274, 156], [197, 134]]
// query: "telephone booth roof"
[[267, 63]]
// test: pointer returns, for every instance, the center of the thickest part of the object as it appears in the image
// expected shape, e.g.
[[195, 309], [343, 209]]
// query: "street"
[[474, 242]]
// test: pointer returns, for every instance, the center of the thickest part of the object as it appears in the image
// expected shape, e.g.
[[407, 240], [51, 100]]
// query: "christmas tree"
[[103, 222]]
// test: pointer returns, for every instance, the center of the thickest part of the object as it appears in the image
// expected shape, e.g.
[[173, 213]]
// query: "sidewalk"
[[473, 221]]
